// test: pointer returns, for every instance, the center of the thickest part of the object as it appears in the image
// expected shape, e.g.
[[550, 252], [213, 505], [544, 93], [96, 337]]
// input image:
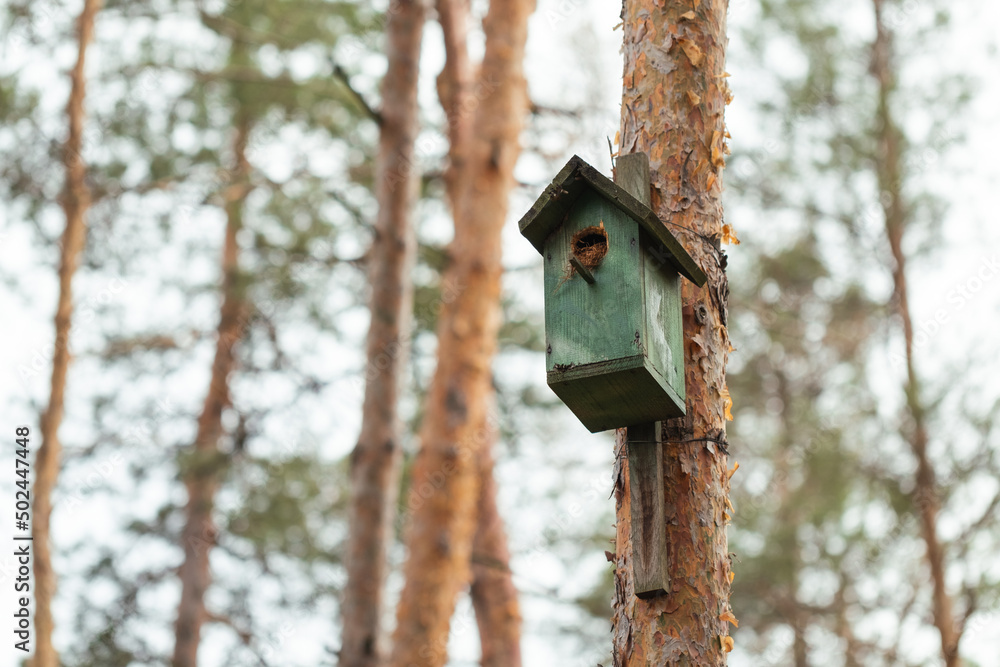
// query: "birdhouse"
[[614, 343]]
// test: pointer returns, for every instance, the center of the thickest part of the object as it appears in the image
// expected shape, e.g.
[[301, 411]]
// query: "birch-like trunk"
[[202, 470], [458, 421], [375, 462], [75, 201], [889, 167], [674, 97]]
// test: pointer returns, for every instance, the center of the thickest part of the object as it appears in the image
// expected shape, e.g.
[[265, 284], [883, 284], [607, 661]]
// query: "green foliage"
[[287, 506], [824, 496], [168, 83]]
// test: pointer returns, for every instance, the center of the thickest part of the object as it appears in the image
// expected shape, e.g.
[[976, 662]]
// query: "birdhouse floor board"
[[616, 393]]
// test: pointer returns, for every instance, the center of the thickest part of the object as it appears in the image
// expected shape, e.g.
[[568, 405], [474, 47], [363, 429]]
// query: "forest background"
[[829, 559]]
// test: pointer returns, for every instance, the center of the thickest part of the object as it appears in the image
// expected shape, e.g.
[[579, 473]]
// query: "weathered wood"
[[582, 270], [632, 175], [614, 343], [645, 447], [650, 565], [607, 394], [577, 177], [600, 322]]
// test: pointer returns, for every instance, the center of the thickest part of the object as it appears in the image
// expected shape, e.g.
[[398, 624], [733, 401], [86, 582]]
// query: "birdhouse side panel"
[[662, 318], [594, 322]]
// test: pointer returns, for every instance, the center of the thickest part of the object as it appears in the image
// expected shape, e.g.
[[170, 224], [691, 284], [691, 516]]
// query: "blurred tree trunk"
[[458, 423], [75, 202], [890, 173], [672, 109], [786, 540], [202, 470], [494, 597], [376, 458]]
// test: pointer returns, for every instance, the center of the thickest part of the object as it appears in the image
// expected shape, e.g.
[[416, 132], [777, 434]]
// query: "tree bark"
[[889, 167], [674, 97], [457, 422], [494, 596], [375, 461], [75, 201], [203, 470]]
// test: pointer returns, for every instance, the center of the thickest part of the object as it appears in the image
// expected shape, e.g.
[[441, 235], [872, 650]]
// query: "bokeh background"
[[829, 557]]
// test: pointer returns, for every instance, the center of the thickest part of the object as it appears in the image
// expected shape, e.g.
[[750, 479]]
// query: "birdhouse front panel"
[[592, 322], [614, 340]]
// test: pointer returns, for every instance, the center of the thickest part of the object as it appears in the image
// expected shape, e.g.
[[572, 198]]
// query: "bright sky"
[[968, 177]]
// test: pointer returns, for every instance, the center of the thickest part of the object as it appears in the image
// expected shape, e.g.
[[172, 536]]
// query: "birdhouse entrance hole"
[[590, 245]]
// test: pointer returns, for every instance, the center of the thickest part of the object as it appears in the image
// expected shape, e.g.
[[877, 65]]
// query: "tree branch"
[[341, 75]]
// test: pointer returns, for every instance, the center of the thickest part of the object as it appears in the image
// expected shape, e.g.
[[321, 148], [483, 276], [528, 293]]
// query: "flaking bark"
[[375, 462], [889, 169], [674, 96], [203, 469], [75, 201], [458, 423]]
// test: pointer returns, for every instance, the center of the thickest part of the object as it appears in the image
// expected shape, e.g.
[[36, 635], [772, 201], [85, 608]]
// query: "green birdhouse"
[[614, 340]]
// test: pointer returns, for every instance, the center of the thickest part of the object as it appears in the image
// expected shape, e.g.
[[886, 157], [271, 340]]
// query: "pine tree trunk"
[[202, 471], [672, 109], [494, 596], [456, 428], [75, 202], [891, 178], [375, 461], [455, 92]]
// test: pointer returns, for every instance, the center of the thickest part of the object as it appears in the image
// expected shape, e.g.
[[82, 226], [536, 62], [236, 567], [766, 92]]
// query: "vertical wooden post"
[[632, 175], [645, 446], [649, 540]]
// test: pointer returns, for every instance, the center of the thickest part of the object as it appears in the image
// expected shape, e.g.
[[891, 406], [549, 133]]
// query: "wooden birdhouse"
[[614, 343]]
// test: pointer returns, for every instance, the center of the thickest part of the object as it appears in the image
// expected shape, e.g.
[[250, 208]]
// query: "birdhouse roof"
[[550, 209]]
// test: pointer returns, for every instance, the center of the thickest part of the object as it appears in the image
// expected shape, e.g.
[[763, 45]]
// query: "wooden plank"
[[632, 174], [663, 333], [582, 270], [645, 449], [615, 394], [587, 323], [650, 571], [570, 372], [672, 249], [548, 211]]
